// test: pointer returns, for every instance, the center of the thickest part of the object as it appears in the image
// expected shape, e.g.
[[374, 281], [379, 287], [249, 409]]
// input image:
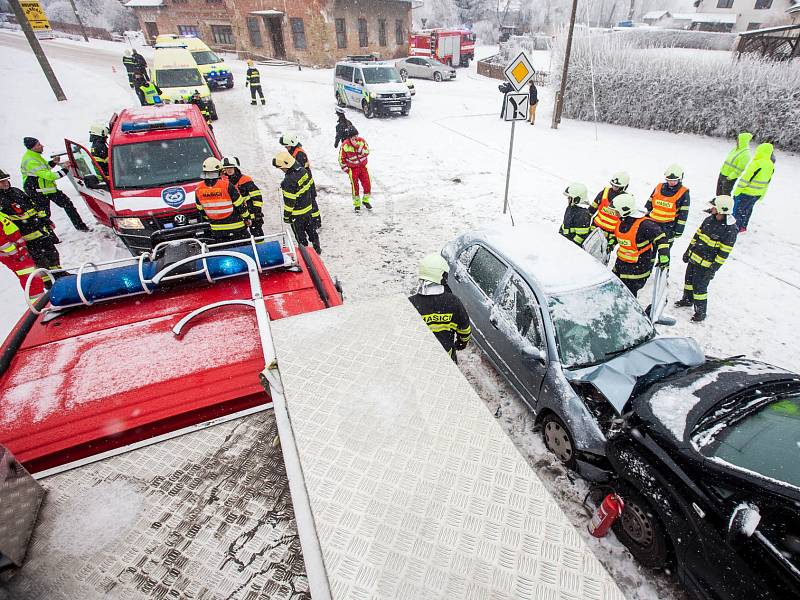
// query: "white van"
[[374, 87], [175, 72]]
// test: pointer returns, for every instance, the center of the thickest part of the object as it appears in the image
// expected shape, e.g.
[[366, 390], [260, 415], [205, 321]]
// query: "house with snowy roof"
[[657, 18], [740, 15]]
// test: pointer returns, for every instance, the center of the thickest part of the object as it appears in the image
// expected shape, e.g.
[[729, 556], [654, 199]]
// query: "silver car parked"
[[425, 68], [564, 332]]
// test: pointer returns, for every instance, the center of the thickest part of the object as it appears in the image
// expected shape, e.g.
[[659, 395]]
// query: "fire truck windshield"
[[381, 75], [158, 163], [170, 78]]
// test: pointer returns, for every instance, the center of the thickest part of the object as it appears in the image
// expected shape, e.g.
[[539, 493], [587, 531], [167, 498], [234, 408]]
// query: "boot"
[[317, 249], [699, 315], [252, 103], [357, 208], [367, 205], [683, 302], [263, 102]]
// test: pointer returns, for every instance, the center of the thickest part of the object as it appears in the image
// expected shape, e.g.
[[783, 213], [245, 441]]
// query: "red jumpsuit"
[[353, 160], [14, 255]]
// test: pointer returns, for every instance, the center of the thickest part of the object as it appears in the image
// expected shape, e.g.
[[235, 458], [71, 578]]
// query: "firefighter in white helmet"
[[443, 312], [297, 206], [220, 203], [248, 190], [98, 138], [604, 215], [577, 223], [291, 142], [639, 243], [668, 205], [710, 247]]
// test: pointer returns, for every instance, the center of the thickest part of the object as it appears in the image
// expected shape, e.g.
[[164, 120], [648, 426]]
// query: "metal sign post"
[[518, 73]]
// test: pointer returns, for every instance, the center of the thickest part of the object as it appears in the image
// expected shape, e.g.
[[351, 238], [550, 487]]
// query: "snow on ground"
[[437, 173]]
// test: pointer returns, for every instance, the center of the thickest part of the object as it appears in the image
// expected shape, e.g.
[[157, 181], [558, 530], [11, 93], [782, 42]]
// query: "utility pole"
[[37, 50], [560, 99], [78, 17]]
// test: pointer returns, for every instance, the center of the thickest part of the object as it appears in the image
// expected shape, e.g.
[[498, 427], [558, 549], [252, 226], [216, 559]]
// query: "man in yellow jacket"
[[753, 184], [734, 164]]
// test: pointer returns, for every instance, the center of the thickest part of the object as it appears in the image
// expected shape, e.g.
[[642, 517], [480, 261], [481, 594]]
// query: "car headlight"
[[129, 223], [373, 95], [408, 94]]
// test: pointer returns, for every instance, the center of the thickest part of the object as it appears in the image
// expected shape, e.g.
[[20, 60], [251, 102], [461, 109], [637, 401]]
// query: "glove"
[[686, 256], [246, 84], [60, 172], [460, 345], [663, 261], [287, 220]]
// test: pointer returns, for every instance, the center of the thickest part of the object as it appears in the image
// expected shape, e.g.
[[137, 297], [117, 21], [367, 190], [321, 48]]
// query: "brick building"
[[311, 32]]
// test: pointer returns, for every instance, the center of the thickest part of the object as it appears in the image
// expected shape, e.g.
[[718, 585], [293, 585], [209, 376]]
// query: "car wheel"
[[437, 76], [465, 63], [212, 110], [403, 74], [367, 108], [558, 440], [641, 531]]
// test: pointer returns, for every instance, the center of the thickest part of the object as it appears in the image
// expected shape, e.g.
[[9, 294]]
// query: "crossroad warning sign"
[[35, 14], [516, 107], [519, 71]]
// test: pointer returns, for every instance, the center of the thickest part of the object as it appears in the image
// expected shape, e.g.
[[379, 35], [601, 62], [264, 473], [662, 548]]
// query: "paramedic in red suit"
[[353, 160]]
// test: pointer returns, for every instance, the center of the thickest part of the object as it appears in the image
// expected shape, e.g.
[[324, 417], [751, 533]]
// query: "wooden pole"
[[560, 99], [37, 50]]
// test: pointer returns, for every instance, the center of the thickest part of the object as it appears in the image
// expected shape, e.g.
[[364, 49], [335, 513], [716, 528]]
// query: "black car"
[[708, 465]]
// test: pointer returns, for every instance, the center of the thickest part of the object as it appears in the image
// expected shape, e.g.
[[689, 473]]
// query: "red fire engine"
[[455, 47]]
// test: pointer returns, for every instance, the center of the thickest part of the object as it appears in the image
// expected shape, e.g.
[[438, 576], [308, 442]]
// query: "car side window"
[[466, 255], [358, 77], [520, 308], [413, 61], [486, 270]]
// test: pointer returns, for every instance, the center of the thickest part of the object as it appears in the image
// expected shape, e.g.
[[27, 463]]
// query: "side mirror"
[[532, 352], [666, 320], [93, 182], [744, 522]]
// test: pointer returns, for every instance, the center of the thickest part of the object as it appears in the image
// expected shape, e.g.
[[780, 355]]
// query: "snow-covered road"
[[436, 173]]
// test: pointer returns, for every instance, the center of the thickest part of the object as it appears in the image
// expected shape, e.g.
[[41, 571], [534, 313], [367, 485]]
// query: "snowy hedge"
[[650, 37], [679, 91]]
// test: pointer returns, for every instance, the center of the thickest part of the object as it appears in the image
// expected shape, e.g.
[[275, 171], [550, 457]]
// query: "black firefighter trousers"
[[61, 200], [306, 231], [256, 89], [695, 286]]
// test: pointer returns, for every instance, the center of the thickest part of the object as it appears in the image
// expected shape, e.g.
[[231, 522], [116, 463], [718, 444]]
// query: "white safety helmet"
[[624, 204], [577, 194], [723, 204], [673, 173], [289, 139], [128, 53], [620, 180], [229, 162], [98, 129], [211, 168], [432, 268]]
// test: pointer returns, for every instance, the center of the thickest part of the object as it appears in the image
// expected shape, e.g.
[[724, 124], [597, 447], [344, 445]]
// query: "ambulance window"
[[344, 72]]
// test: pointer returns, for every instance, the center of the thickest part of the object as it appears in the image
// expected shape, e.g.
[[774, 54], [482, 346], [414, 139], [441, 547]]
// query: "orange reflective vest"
[[628, 250], [606, 218], [297, 150], [665, 208], [215, 199]]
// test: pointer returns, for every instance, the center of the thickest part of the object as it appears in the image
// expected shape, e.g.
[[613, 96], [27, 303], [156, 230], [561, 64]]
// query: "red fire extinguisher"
[[603, 518]]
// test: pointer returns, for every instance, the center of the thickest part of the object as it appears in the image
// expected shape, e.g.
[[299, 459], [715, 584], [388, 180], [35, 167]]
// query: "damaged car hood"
[[616, 378]]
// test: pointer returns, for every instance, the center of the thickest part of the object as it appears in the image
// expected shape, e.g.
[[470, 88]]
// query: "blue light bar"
[[151, 125]]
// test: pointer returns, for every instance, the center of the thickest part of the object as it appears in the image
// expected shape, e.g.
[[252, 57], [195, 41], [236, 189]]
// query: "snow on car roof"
[[556, 264]]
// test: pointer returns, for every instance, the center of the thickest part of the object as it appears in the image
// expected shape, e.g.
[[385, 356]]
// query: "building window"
[[254, 32], [753, 26], [222, 35], [298, 33], [190, 30], [341, 33], [399, 34], [382, 32], [363, 39], [763, 4], [724, 3]]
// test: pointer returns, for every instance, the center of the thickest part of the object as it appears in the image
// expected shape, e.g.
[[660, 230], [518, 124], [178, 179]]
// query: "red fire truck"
[[455, 47]]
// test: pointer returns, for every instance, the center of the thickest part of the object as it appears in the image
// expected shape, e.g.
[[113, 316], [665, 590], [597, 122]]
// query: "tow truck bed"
[[414, 490]]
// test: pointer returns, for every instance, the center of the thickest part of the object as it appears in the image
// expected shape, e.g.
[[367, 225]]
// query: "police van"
[[176, 73], [375, 87], [213, 69]]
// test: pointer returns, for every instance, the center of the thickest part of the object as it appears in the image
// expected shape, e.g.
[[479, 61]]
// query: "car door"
[[357, 88], [520, 341], [477, 277], [87, 178], [425, 68]]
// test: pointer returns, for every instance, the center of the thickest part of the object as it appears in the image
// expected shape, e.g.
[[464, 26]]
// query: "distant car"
[[425, 68], [373, 86], [564, 331], [708, 467]]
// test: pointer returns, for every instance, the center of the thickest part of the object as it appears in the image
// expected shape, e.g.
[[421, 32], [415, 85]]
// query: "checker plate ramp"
[[203, 516], [415, 490]]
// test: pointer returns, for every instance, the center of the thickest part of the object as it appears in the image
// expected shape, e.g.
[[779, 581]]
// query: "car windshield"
[[381, 75], [160, 163], [170, 78], [765, 442], [205, 57], [594, 324]]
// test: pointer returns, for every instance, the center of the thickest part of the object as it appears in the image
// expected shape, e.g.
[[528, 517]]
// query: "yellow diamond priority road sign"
[[519, 71]]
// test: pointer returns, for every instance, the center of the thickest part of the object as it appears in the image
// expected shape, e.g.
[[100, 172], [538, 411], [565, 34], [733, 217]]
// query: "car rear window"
[[205, 57], [344, 72], [159, 163], [169, 78], [486, 271]]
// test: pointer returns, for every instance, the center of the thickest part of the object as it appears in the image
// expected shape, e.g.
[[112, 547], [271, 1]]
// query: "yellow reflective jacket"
[[756, 177], [737, 159]]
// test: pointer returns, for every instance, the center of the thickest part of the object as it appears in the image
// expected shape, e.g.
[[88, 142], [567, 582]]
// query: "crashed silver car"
[[564, 331]]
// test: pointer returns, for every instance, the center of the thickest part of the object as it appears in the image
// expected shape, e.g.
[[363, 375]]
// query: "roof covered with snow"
[[654, 15], [144, 3], [715, 18]]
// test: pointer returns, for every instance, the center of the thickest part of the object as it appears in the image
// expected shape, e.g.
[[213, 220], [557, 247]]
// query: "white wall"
[[747, 13]]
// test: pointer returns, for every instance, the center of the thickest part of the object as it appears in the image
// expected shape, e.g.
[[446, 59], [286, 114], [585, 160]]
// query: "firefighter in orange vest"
[[293, 146], [605, 217], [14, 255], [248, 190], [221, 205], [669, 205], [639, 242]]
